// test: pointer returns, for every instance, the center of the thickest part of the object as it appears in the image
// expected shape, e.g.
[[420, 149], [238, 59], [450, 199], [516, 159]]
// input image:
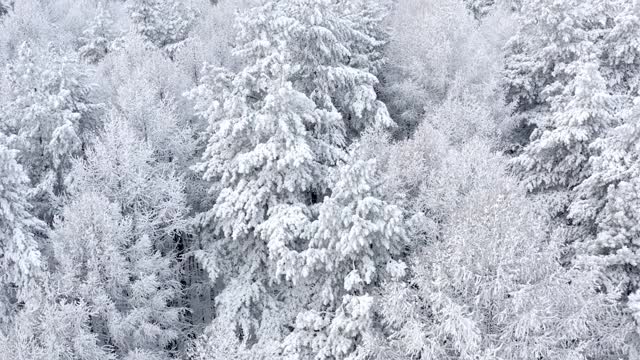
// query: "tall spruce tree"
[[20, 261], [277, 129], [558, 155], [350, 251], [607, 206]]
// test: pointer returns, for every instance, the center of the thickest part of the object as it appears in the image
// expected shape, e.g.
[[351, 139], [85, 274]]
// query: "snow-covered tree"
[[165, 23], [553, 40], [436, 51], [322, 49], [306, 229], [123, 167], [212, 39], [480, 8], [158, 121], [138, 66], [52, 327], [558, 155], [20, 261], [36, 321], [276, 129], [552, 36], [621, 56], [27, 21], [488, 284], [350, 251], [607, 206], [146, 88], [125, 281], [113, 244], [368, 17], [97, 38], [50, 115], [263, 158]]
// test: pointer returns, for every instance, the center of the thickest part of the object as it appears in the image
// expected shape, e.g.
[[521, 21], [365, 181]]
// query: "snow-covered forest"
[[320, 179]]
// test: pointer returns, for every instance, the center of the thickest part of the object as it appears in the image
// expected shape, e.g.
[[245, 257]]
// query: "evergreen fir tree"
[[558, 156], [552, 36], [277, 128], [607, 206], [97, 39], [621, 55], [165, 23], [50, 117], [20, 262], [350, 252]]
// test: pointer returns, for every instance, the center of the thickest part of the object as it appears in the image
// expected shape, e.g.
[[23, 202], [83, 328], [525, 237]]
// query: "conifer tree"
[[553, 40], [265, 158], [97, 39], [350, 251], [558, 155], [165, 23], [20, 262], [607, 207], [480, 8], [368, 17], [50, 117], [552, 36], [277, 128], [113, 247], [330, 50], [621, 55]]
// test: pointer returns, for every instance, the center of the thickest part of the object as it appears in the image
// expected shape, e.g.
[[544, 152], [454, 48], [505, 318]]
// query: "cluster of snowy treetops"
[[319, 179]]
